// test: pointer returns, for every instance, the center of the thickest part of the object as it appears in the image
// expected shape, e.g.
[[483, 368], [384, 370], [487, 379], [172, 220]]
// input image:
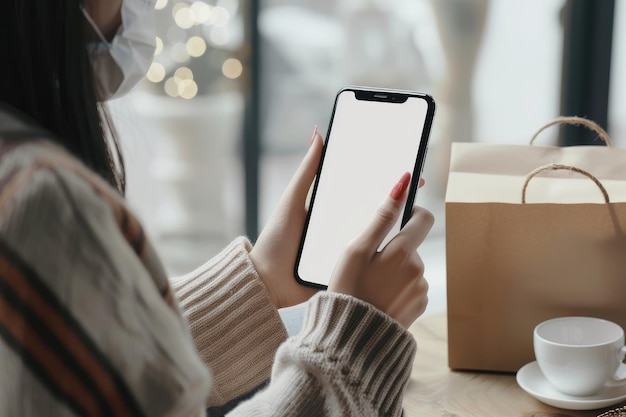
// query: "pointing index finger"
[[386, 215]]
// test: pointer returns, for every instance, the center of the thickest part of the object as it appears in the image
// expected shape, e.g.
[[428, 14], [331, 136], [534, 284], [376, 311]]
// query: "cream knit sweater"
[[91, 326]]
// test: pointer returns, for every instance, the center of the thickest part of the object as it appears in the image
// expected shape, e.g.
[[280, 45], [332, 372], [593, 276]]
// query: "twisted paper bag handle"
[[577, 121], [554, 167]]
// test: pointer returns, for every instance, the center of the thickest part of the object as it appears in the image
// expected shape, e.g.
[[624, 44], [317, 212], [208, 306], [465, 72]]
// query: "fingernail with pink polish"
[[398, 190]]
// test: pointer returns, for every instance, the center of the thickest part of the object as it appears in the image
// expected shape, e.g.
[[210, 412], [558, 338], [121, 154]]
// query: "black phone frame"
[[382, 95]]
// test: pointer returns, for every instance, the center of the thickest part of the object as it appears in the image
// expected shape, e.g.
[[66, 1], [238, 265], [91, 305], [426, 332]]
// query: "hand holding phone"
[[275, 251], [374, 136], [392, 280]]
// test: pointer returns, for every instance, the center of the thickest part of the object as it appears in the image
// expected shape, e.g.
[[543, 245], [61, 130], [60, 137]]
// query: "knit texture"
[[91, 326], [85, 328], [350, 359], [234, 324]]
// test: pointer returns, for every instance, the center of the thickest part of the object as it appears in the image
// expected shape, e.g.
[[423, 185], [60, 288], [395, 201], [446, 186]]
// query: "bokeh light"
[[159, 46], [184, 17], [183, 73], [156, 72], [171, 87], [196, 46], [232, 68], [195, 28], [177, 7], [181, 84], [187, 89], [201, 12], [160, 4]]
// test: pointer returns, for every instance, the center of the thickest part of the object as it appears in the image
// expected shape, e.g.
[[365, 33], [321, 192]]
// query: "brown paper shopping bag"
[[529, 238]]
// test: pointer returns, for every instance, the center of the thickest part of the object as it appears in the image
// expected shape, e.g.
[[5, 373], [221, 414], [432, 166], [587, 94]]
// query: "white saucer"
[[531, 379]]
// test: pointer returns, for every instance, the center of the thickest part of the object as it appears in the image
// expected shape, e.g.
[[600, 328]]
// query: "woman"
[[90, 325]]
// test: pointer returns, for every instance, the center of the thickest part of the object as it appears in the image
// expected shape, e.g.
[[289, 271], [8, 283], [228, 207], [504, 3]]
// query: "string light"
[[232, 68], [171, 87], [159, 46], [177, 7], [179, 47], [184, 17], [201, 12], [183, 73], [196, 46], [156, 72], [181, 84], [187, 89]]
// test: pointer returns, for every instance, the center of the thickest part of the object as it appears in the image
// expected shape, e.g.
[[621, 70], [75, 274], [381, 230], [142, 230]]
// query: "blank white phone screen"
[[371, 144]]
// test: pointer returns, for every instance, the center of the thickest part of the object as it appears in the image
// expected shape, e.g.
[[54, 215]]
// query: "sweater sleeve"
[[84, 329], [349, 360], [234, 324]]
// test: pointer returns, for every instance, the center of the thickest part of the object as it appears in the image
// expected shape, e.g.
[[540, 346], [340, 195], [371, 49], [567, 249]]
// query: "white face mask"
[[121, 64]]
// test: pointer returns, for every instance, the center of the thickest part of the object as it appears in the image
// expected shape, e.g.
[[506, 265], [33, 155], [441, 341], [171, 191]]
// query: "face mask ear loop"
[[94, 26]]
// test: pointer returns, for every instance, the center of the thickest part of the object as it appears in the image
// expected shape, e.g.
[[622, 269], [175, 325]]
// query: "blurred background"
[[214, 134]]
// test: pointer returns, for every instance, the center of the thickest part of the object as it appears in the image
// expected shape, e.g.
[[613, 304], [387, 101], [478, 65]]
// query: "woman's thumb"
[[300, 184]]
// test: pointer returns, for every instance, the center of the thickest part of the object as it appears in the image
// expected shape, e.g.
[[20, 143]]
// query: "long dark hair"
[[45, 73]]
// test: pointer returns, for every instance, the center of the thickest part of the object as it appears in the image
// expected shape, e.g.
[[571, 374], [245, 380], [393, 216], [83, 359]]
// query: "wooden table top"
[[435, 390]]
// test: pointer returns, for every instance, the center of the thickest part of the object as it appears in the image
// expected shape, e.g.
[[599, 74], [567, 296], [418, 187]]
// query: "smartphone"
[[374, 136]]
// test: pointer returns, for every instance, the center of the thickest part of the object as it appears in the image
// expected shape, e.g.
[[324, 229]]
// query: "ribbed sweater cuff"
[[235, 326], [354, 341]]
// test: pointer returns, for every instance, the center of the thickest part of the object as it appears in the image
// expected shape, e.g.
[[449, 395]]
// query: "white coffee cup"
[[580, 356]]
